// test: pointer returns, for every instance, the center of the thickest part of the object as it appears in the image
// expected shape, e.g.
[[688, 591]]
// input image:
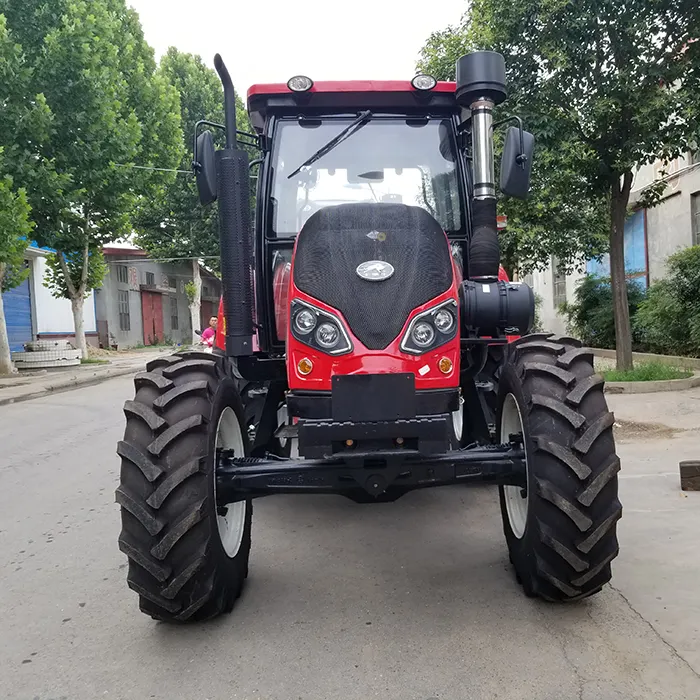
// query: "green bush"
[[669, 318], [590, 316]]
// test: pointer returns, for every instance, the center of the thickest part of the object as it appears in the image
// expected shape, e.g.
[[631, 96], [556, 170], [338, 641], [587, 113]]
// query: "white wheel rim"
[[516, 503], [283, 419], [232, 524], [458, 420]]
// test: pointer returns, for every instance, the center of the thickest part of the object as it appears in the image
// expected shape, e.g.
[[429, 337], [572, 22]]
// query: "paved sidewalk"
[[677, 410], [23, 387]]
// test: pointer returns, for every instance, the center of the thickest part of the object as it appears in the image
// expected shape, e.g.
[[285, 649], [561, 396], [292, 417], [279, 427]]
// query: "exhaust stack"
[[481, 78], [234, 229]]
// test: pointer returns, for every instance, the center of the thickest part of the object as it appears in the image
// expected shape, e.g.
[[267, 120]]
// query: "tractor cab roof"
[[343, 97]]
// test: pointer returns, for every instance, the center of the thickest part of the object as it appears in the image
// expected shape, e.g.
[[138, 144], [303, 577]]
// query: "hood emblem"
[[377, 236], [375, 270]]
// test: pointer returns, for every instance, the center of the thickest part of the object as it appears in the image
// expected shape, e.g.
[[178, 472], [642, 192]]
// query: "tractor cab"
[[322, 152]]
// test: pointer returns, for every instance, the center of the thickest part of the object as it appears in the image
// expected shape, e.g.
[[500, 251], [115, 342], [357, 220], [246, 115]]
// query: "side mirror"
[[205, 168], [516, 162], [197, 332]]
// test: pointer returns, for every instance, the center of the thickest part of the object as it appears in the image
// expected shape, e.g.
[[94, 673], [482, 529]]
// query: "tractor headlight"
[[319, 329], [305, 321], [431, 329], [300, 83], [444, 320], [423, 82], [423, 334], [327, 335]]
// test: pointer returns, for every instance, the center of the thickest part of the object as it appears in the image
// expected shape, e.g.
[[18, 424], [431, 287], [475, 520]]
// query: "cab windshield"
[[410, 161]]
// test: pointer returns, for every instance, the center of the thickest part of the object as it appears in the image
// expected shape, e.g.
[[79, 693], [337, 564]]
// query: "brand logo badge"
[[377, 236], [375, 270]]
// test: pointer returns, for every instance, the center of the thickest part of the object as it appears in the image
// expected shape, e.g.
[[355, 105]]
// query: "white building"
[[32, 313]]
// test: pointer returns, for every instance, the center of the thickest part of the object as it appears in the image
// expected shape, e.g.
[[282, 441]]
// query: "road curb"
[[653, 386], [61, 386]]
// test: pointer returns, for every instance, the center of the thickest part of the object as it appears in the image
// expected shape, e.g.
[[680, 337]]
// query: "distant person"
[[209, 334]]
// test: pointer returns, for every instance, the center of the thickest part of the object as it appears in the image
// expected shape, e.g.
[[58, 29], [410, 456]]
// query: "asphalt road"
[[404, 601]]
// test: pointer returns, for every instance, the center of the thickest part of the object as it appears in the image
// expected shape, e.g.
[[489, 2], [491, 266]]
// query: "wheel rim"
[[458, 420], [232, 523], [516, 503], [283, 419]]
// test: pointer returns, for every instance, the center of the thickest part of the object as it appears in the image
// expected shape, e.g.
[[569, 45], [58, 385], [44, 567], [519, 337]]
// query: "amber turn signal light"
[[445, 365], [305, 366]]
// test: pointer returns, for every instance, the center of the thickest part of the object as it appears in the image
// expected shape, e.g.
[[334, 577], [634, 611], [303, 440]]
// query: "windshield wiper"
[[344, 134]]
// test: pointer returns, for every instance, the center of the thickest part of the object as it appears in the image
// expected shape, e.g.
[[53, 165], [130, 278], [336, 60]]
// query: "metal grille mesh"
[[335, 240]]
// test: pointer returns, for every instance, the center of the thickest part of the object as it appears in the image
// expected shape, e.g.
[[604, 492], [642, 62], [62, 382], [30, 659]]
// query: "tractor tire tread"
[[145, 413], [570, 539], [169, 528], [198, 386]]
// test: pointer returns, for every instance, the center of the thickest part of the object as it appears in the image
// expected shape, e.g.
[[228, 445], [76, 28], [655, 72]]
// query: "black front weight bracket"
[[240, 478]]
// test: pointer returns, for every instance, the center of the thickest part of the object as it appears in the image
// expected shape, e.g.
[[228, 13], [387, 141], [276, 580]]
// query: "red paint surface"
[[152, 314], [362, 360], [348, 86]]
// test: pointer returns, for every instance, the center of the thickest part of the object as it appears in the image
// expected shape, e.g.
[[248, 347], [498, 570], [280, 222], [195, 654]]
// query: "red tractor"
[[367, 345]]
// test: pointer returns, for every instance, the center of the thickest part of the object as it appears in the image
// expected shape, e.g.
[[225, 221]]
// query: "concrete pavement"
[[403, 601], [25, 386]]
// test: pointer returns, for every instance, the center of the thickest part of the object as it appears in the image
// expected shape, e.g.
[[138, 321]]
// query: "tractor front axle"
[[239, 478]]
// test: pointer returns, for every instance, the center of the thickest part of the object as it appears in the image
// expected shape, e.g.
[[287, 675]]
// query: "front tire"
[[188, 560], [560, 531]]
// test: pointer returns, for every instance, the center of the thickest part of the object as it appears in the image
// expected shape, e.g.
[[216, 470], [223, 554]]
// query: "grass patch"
[[646, 372], [93, 361]]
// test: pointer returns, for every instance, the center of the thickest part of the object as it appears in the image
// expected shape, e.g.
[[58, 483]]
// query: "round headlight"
[[423, 82], [444, 321], [300, 83], [305, 321], [327, 335], [423, 334]]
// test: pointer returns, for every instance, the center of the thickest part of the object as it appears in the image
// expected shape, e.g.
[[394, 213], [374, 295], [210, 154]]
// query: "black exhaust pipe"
[[235, 236], [481, 78]]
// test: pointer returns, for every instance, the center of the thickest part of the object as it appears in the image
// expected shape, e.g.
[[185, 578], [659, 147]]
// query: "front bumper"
[[369, 412]]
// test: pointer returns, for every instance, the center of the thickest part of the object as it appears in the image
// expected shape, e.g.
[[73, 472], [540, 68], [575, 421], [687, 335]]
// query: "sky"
[[271, 40]]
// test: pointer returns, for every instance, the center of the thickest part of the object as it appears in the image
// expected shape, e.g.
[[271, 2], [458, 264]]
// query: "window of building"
[[174, 321], [150, 279], [695, 217], [122, 274], [558, 283], [123, 306], [205, 290]]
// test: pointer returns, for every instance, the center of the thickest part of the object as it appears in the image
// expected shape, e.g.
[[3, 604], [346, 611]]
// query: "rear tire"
[[187, 560], [561, 535]]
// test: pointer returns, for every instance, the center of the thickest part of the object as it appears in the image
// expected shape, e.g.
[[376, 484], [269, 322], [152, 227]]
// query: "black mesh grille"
[[335, 240]]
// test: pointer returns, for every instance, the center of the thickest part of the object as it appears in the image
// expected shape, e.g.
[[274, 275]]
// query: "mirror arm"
[[521, 158], [256, 161], [196, 165]]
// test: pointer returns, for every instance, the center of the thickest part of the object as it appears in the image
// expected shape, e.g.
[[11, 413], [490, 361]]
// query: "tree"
[[607, 87], [15, 227], [176, 225], [558, 218], [103, 111]]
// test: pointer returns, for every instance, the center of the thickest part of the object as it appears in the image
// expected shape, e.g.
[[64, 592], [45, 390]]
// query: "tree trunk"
[[196, 303], [77, 304], [6, 366], [621, 311]]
